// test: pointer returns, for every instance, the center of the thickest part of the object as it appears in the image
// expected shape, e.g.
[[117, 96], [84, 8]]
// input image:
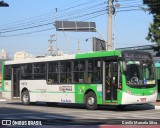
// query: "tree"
[[3, 4], [154, 29]]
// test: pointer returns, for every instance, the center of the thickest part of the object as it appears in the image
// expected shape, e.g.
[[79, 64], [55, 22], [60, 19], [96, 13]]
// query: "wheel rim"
[[90, 101], [25, 98]]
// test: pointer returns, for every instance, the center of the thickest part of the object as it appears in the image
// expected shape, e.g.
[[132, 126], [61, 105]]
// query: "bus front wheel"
[[25, 97], [91, 101]]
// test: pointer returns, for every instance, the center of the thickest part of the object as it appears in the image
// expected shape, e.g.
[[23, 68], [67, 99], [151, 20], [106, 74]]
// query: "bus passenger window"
[[7, 73], [23, 71], [65, 72], [52, 73], [94, 72], [79, 71]]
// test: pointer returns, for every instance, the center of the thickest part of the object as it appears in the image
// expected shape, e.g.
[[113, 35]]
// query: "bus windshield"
[[139, 73], [139, 69]]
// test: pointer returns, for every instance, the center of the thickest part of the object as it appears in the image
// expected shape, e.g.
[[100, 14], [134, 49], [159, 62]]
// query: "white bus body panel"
[[39, 90], [133, 99], [7, 90]]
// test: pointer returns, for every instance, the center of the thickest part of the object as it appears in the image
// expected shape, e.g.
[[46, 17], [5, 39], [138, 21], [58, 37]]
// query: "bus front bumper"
[[134, 99]]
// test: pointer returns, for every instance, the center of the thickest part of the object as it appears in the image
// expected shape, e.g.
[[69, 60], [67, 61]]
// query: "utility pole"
[[78, 46], [114, 13], [109, 39], [56, 36], [56, 44], [50, 48]]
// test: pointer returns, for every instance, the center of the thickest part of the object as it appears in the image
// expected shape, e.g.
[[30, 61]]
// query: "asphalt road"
[[66, 113]]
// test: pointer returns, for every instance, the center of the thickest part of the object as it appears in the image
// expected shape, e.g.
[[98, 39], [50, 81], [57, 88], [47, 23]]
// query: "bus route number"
[[24, 83]]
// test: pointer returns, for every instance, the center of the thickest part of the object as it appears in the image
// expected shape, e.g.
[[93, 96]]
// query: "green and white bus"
[[115, 77]]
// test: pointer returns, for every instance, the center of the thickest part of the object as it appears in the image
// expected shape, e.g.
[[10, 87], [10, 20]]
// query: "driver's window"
[[134, 72]]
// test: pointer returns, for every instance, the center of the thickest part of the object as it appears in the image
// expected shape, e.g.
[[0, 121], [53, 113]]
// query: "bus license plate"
[[143, 99]]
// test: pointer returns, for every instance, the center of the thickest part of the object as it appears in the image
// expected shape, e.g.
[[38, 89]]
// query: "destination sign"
[[137, 56]]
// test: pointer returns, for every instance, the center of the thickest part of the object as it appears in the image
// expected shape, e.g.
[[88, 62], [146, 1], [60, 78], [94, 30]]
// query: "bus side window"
[[7, 73], [94, 71], [65, 72], [39, 70], [79, 71], [23, 71], [52, 73], [26, 71]]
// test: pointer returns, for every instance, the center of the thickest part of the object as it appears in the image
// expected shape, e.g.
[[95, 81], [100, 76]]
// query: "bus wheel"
[[25, 97], [91, 101]]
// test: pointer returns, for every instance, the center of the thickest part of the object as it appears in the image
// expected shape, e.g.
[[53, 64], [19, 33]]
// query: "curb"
[[2, 100], [157, 107]]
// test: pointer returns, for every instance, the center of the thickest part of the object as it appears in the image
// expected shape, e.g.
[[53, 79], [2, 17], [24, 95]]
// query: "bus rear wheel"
[[91, 101], [25, 97]]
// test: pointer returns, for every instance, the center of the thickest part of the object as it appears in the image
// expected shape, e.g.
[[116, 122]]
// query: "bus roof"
[[66, 57]]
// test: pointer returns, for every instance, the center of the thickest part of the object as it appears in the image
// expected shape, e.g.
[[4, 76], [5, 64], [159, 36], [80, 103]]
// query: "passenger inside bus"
[[132, 74]]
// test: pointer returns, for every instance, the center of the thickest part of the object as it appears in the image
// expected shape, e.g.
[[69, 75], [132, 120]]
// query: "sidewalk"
[[156, 105]]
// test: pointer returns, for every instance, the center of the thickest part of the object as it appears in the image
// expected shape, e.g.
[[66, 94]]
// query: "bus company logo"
[[6, 122], [21, 122], [65, 88]]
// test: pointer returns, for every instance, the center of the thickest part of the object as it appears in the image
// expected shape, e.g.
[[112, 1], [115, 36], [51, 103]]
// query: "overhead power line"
[[27, 33], [67, 15], [26, 28], [51, 14], [91, 12]]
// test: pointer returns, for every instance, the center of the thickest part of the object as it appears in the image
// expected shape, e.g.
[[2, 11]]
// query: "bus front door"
[[110, 81], [16, 78]]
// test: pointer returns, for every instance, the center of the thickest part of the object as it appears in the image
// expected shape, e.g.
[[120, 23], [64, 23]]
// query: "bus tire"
[[91, 101], [25, 97]]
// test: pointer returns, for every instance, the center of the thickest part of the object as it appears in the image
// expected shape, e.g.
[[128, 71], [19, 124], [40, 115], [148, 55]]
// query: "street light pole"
[[114, 38], [109, 35]]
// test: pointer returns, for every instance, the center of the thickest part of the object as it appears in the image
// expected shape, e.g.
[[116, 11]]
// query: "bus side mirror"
[[124, 66]]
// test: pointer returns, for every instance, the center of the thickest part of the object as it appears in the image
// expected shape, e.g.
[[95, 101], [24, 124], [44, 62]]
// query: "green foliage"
[[154, 29]]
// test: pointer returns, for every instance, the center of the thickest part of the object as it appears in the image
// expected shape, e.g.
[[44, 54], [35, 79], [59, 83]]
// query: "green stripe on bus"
[[7, 91], [98, 54]]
